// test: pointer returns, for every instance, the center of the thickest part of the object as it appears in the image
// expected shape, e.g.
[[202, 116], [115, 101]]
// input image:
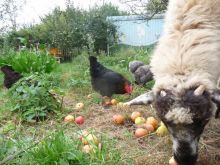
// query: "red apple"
[[141, 132], [118, 119], [153, 122], [79, 120], [149, 127]]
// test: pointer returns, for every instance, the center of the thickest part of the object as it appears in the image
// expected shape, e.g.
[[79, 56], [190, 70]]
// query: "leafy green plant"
[[28, 62], [33, 97]]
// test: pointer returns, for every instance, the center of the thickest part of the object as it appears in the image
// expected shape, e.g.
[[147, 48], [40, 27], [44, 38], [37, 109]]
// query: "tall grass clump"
[[61, 149]]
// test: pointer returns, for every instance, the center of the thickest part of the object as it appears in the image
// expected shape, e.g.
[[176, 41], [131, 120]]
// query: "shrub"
[[34, 98], [28, 62]]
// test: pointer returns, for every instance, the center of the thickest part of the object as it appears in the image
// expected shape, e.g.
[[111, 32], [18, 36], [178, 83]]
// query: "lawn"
[[52, 141]]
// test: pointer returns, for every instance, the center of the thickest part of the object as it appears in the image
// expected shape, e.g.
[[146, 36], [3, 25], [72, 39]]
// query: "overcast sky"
[[34, 9]]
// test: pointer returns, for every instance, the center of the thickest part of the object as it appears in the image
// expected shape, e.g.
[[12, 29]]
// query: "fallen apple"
[[82, 133], [69, 119], [162, 130], [149, 127], [79, 120], [120, 105], [108, 103], [114, 102], [172, 161], [79, 106], [141, 132], [152, 121], [89, 96], [118, 119], [162, 124], [88, 149], [139, 120], [134, 115], [90, 139]]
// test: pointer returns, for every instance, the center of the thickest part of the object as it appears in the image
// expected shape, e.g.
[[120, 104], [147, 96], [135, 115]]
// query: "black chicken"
[[107, 82], [10, 76]]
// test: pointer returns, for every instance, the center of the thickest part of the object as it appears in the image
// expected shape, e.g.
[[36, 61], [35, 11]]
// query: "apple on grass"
[[153, 122], [114, 102], [148, 127], [134, 115], [79, 106], [88, 149], [141, 132], [79, 120], [139, 120], [69, 119], [118, 119], [162, 130], [90, 139], [89, 96]]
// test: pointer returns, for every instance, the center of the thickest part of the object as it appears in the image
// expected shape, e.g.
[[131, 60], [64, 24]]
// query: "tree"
[[71, 31], [99, 28], [8, 14], [147, 8]]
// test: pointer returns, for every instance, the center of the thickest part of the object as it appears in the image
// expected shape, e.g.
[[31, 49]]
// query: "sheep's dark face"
[[185, 116]]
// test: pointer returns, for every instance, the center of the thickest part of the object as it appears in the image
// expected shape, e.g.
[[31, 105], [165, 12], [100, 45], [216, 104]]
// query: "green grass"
[[63, 148]]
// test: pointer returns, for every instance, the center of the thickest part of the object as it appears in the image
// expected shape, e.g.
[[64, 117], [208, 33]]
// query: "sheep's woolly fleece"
[[188, 53]]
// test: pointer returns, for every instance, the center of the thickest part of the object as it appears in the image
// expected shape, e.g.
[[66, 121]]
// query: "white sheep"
[[185, 66]]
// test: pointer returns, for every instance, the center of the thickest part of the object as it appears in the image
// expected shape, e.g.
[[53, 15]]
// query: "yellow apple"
[[79, 106], [162, 130], [90, 139], [139, 120], [114, 102], [69, 119]]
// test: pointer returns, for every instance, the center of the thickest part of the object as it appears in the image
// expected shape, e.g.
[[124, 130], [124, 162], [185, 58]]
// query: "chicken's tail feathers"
[[7, 68], [92, 59]]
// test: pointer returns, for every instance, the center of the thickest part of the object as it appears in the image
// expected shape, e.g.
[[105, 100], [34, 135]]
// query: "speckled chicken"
[[141, 72]]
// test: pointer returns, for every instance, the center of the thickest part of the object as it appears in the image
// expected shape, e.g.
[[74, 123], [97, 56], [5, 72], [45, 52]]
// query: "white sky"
[[34, 9]]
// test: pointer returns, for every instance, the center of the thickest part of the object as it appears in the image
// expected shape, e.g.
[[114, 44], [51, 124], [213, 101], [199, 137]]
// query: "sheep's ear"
[[143, 99], [215, 96]]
